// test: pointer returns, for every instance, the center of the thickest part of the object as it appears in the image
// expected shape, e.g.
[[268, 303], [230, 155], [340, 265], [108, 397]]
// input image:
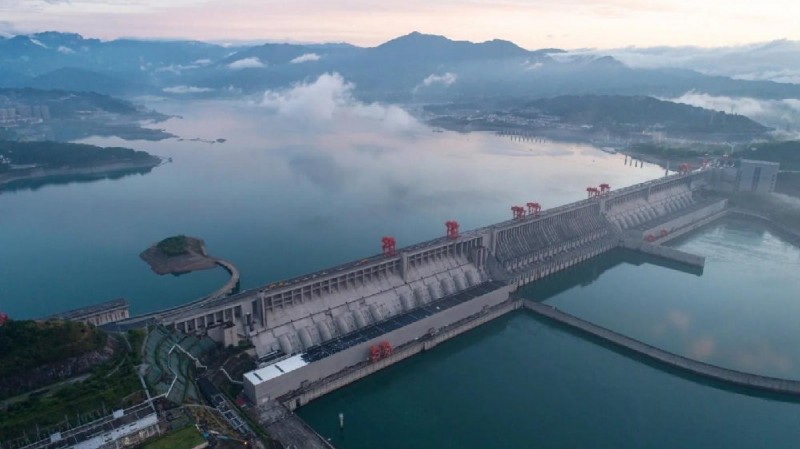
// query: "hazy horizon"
[[576, 24]]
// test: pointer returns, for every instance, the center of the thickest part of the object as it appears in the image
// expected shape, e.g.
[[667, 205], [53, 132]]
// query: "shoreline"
[[43, 174]]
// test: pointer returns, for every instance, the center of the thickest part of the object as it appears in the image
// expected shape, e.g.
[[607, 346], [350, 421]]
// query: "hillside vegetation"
[[640, 111], [25, 345], [787, 153], [59, 155]]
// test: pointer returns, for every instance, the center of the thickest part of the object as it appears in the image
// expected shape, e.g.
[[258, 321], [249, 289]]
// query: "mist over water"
[[286, 194]]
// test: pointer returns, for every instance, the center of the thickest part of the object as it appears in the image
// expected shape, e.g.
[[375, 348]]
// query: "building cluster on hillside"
[[13, 114]]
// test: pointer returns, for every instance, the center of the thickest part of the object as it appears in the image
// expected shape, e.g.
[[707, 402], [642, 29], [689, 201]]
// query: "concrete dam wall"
[[311, 327]]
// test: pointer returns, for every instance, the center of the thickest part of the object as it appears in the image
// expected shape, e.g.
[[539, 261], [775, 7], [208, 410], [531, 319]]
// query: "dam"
[[325, 329]]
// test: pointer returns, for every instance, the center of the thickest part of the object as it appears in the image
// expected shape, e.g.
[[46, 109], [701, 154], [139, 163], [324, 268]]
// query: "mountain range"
[[412, 68]]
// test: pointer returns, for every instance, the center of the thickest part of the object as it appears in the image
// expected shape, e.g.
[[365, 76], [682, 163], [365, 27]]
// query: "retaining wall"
[[305, 395], [748, 380], [301, 378]]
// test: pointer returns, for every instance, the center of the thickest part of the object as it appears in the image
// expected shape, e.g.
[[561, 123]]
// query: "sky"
[[569, 24]]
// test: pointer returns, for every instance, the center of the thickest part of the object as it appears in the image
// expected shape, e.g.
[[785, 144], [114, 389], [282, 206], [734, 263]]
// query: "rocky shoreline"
[[195, 258]]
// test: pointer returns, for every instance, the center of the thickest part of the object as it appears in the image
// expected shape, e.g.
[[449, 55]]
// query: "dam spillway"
[[310, 327]]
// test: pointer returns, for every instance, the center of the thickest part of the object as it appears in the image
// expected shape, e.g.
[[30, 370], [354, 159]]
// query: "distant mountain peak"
[[421, 46]]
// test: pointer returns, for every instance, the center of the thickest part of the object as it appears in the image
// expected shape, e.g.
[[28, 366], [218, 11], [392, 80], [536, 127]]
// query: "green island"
[[45, 162], [178, 254], [175, 245]]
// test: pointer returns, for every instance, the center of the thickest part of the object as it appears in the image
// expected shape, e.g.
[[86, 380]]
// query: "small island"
[[177, 255]]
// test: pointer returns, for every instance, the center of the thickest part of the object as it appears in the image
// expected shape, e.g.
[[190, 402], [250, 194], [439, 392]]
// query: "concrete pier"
[[729, 376], [665, 252]]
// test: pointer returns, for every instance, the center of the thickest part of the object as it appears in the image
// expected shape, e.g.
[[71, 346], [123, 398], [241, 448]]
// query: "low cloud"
[[65, 50], [308, 57], [247, 63], [330, 97], [444, 79], [783, 115], [38, 42], [528, 65], [186, 90], [773, 61]]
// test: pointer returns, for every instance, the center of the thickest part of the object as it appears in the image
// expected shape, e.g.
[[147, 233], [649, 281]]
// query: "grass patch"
[[185, 438], [174, 246]]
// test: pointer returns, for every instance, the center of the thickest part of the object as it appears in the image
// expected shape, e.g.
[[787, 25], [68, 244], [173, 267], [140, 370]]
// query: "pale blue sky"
[[530, 23]]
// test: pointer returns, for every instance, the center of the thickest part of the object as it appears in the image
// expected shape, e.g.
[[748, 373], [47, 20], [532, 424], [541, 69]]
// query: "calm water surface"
[[741, 313], [520, 382], [285, 196], [282, 197]]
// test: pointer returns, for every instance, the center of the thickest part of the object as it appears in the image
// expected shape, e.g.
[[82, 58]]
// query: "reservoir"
[[521, 382], [281, 197]]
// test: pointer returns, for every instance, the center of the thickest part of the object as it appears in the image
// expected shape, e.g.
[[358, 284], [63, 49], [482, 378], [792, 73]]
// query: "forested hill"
[[19, 155], [28, 345], [616, 111]]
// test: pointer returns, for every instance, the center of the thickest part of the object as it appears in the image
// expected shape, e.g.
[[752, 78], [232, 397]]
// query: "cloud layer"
[[328, 98], [774, 61], [186, 90], [779, 114], [445, 79], [247, 63], [308, 57]]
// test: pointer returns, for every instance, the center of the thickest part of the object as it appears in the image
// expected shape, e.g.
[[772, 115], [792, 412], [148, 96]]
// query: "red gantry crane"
[[388, 246], [604, 188], [452, 229], [534, 209], [518, 211], [592, 192]]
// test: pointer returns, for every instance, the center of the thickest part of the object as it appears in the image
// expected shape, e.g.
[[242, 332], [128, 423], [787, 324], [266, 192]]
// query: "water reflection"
[[36, 184], [738, 314], [279, 198]]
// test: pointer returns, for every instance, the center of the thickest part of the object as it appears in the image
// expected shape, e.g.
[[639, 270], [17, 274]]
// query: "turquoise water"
[[741, 313], [281, 197], [520, 382]]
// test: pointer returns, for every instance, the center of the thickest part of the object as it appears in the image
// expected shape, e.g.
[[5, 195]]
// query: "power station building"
[[757, 176]]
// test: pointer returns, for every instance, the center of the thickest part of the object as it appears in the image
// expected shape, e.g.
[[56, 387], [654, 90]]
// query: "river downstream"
[[521, 382]]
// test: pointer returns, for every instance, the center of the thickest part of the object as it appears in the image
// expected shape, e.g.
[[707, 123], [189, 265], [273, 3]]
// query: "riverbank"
[[43, 175], [38, 162]]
